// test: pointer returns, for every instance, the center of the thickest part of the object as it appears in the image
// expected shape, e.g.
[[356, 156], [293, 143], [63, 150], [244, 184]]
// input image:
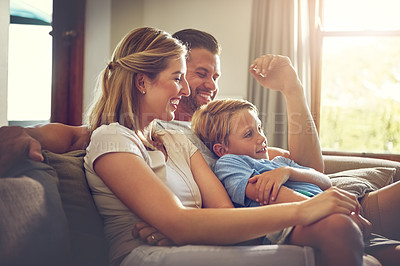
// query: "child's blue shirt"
[[234, 172]]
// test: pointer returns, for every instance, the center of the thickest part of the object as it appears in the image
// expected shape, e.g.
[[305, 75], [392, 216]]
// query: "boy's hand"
[[269, 183]]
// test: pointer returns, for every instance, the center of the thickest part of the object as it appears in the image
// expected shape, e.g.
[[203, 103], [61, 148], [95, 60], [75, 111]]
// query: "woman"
[[137, 174]]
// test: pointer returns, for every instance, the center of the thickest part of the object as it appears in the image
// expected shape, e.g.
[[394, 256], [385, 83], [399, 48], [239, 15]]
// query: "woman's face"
[[164, 93]]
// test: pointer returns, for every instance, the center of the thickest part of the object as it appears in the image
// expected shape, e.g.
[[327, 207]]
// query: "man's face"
[[203, 72]]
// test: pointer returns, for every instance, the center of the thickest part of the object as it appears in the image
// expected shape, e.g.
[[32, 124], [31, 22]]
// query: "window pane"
[[360, 97], [29, 72], [344, 15]]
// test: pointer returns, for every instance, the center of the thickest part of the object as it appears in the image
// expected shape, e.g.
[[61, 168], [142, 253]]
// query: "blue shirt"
[[234, 172]]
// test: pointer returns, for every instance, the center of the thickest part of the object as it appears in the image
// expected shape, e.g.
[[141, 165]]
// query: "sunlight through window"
[[360, 89], [29, 66]]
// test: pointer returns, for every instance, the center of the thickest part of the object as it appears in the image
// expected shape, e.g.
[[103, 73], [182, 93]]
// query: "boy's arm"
[[285, 194], [267, 187]]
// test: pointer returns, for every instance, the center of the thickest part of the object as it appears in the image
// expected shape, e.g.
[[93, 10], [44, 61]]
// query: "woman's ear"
[[220, 149], [140, 82]]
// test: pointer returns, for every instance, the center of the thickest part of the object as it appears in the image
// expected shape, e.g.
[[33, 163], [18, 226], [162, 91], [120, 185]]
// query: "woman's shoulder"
[[113, 129], [115, 138]]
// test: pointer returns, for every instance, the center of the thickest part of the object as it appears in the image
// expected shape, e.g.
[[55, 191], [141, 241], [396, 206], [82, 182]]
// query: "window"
[[53, 81], [360, 77], [30, 62]]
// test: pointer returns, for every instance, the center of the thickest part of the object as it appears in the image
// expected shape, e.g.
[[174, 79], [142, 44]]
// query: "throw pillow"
[[88, 242], [364, 180]]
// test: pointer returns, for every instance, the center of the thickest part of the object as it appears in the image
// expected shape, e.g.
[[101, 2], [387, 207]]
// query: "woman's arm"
[[212, 191], [134, 183]]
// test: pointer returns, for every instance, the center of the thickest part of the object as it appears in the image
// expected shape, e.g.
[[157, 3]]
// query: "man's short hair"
[[193, 38]]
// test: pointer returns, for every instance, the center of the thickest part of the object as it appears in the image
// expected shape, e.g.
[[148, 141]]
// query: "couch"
[[48, 217]]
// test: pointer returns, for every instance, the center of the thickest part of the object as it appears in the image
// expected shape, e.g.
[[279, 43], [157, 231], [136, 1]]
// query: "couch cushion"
[[334, 164], [86, 226], [33, 225], [364, 180]]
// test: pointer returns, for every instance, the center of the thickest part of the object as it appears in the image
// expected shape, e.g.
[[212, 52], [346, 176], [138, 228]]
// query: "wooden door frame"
[[68, 53]]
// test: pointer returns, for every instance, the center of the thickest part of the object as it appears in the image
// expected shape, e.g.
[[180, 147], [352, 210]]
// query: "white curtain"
[[279, 27]]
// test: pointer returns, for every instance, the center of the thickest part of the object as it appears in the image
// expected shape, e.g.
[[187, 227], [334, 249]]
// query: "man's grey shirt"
[[185, 127]]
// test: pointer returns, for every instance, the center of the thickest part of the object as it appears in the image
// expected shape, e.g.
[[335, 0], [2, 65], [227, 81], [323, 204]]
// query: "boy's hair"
[[211, 122]]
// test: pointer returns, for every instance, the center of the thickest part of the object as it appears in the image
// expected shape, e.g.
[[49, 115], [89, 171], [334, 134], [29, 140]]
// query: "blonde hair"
[[211, 122], [145, 50]]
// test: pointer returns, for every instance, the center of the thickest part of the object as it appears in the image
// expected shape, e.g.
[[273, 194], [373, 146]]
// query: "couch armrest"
[[334, 164], [33, 226]]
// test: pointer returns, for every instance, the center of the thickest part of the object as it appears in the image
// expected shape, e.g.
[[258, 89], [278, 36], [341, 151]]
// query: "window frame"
[[68, 33], [317, 35]]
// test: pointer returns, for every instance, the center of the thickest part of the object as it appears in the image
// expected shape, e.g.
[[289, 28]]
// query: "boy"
[[232, 130]]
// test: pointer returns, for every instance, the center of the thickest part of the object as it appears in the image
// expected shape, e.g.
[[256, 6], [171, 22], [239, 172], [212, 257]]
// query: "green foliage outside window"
[[360, 98]]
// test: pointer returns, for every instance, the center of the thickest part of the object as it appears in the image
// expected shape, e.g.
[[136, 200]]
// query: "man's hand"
[[150, 235], [15, 144], [275, 72]]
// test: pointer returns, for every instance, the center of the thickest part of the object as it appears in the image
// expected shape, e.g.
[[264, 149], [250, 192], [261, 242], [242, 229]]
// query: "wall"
[[107, 21], [227, 20], [4, 22], [97, 45]]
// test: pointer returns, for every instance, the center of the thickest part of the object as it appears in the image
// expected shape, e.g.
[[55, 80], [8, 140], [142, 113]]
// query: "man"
[[203, 72]]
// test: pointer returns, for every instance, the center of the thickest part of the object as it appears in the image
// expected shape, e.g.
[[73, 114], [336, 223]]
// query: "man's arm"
[[274, 152], [60, 138], [17, 142], [277, 73]]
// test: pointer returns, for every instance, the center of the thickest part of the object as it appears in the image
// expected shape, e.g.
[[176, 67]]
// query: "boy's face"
[[247, 136]]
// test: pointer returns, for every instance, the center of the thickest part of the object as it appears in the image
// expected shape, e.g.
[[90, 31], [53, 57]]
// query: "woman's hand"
[[150, 235], [332, 200], [364, 225], [275, 72], [269, 183]]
